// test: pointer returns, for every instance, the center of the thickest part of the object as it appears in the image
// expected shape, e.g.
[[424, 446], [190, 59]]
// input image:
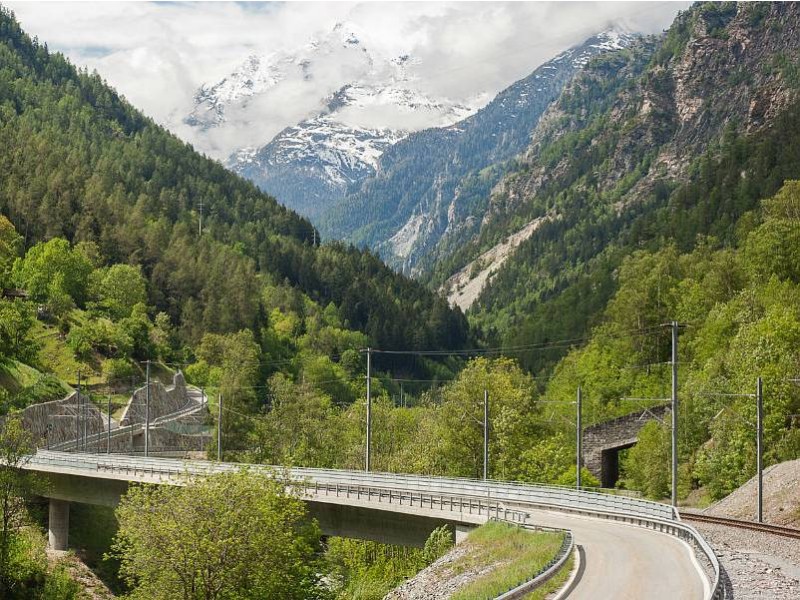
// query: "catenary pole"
[[108, 432], [368, 462], [78, 415], [485, 434], [147, 414], [760, 447], [219, 427], [578, 439], [674, 361]]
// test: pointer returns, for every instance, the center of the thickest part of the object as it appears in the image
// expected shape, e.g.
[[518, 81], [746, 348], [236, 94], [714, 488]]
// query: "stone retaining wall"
[[163, 401], [57, 421]]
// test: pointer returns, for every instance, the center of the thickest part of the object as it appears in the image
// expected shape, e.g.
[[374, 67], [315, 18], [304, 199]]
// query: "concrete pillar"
[[462, 531], [58, 524]]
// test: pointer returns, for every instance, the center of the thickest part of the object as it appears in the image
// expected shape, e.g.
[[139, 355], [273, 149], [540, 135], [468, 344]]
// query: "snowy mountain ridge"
[[429, 192], [311, 164]]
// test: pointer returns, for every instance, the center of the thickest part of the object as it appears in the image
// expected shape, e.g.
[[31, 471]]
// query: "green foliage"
[[117, 368], [118, 289], [99, 335], [545, 461], [298, 430], [22, 386], [16, 486], [646, 467], [187, 541], [10, 244], [438, 544], [17, 318], [59, 585], [568, 478], [512, 413], [364, 570], [52, 269]]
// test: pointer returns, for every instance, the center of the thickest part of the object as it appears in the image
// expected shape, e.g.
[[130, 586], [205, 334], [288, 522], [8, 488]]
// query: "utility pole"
[[147, 414], [85, 429], [78, 415], [108, 432], [368, 463], [578, 441], [200, 219], [219, 427], [760, 447], [674, 326], [485, 435], [402, 396]]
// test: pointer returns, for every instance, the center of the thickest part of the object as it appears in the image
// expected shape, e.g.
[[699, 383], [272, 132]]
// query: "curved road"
[[621, 561], [626, 562]]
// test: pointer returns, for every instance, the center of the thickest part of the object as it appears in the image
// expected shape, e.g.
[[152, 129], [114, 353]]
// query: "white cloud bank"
[[158, 54]]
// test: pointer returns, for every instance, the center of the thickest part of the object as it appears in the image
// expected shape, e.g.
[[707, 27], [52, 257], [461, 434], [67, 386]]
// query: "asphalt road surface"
[[625, 562]]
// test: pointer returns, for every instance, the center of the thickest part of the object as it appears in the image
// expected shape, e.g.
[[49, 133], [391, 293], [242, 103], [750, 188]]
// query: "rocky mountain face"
[[311, 164], [430, 190], [621, 159]]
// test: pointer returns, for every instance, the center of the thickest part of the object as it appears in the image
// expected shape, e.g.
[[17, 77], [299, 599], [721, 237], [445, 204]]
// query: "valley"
[[338, 356]]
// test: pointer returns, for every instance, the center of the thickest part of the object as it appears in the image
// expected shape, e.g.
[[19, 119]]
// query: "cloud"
[[158, 54]]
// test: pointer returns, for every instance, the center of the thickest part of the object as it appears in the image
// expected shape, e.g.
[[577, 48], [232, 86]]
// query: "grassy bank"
[[518, 553]]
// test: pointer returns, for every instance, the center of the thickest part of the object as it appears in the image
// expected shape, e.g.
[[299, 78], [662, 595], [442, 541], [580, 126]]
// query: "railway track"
[[763, 527]]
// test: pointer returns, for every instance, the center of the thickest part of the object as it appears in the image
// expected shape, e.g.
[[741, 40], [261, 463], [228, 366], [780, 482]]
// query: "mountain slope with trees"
[[80, 163], [634, 157]]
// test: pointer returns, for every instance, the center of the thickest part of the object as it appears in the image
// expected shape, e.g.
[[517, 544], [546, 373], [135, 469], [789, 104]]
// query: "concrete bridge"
[[632, 548], [603, 442]]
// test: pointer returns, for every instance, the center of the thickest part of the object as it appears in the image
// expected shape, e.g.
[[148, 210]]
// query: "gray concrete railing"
[[436, 491], [464, 505]]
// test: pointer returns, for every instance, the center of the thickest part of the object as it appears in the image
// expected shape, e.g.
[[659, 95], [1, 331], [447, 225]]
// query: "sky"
[[158, 54]]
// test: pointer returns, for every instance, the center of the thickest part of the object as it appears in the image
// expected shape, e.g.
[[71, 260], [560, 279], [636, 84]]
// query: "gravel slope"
[[781, 497], [760, 565]]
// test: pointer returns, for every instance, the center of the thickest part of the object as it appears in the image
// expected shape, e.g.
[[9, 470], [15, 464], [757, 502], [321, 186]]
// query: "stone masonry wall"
[[163, 401], [616, 433], [55, 422]]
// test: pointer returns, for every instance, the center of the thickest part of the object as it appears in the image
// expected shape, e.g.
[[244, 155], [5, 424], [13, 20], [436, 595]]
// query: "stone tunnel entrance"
[[609, 465], [603, 442]]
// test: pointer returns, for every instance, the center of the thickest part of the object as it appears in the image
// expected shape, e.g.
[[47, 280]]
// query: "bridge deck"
[[621, 561]]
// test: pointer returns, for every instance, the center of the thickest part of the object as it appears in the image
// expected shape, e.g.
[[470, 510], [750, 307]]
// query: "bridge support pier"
[[462, 531], [58, 524]]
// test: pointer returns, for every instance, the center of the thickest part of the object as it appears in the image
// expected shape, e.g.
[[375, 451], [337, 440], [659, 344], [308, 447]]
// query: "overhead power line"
[[565, 343]]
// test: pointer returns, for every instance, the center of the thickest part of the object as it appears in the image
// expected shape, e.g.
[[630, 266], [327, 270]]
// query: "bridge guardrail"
[[501, 490], [558, 499]]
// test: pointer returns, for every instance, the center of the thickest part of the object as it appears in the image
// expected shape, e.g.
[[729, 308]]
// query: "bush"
[[587, 479], [117, 368], [60, 586]]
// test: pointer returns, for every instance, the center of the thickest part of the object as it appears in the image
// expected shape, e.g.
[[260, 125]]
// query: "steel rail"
[[742, 524]]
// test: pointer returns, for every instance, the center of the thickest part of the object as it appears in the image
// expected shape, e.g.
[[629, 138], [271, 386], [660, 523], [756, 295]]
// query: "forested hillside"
[[90, 184], [647, 146]]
